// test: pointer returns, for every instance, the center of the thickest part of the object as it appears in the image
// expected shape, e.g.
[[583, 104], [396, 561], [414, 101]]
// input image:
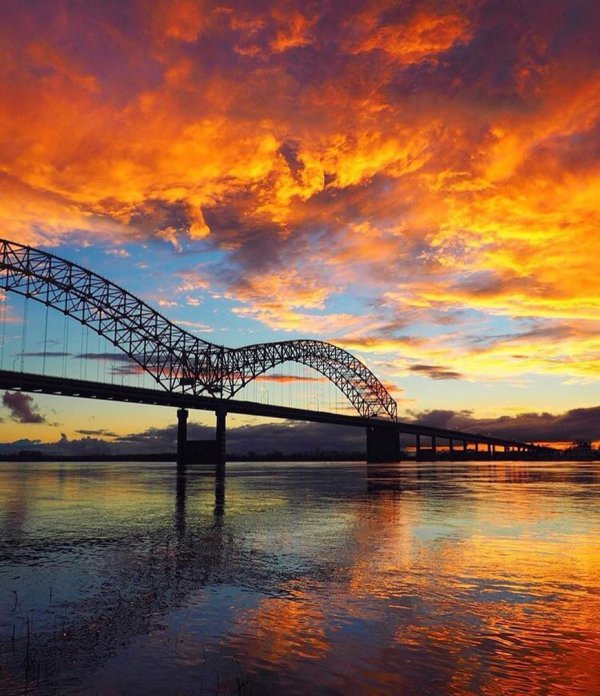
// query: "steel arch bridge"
[[177, 360]]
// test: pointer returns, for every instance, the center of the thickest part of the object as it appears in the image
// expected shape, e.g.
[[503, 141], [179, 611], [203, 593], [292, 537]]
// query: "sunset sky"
[[415, 181]]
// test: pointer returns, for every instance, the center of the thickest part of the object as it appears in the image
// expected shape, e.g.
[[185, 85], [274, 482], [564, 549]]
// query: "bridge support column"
[[383, 445], [182, 416], [220, 438], [200, 451], [417, 446]]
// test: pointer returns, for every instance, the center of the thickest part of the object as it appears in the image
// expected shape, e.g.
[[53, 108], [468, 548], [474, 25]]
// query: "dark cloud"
[[44, 354], [295, 437], [105, 357], [289, 152], [289, 437], [286, 438], [492, 283], [127, 370], [155, 217], [443, 418], [86, 446], [252, 241], [435, 371], [97, 433], [536, 331], [576, 424], [24, 444], [23, 408], [125, 366]]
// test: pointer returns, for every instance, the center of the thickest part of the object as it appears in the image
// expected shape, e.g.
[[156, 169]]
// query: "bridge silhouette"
[[191, 373]]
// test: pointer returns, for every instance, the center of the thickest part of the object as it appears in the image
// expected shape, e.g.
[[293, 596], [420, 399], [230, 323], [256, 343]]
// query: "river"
[[311, 578]]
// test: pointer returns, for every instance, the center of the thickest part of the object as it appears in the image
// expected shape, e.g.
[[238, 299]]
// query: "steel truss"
[[177, 360]]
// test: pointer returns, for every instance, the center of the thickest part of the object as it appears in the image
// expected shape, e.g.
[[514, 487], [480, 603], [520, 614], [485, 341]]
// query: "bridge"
[[188, 372]]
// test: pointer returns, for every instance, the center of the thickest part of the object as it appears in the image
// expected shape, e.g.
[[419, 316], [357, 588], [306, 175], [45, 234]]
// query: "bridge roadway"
[[61, 386]]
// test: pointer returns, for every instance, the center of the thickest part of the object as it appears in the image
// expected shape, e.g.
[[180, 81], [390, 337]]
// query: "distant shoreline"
[[34, 457]]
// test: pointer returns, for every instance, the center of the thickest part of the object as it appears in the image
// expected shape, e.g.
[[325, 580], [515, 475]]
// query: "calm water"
[[423, 578]]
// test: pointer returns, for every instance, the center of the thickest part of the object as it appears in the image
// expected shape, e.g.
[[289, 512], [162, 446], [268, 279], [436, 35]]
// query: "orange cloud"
[[288, 378], [181, 20], [293, 29], [418, 162], [421, 37]]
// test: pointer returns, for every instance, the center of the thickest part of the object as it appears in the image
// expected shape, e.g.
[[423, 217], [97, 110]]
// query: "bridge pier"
[[221, 414], [200, 451], [182, 416], [383, 445]]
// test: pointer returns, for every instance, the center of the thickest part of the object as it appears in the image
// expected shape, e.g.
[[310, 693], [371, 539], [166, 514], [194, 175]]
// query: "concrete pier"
[[220, 439], [210, 451], [383, 445], [182, 417]]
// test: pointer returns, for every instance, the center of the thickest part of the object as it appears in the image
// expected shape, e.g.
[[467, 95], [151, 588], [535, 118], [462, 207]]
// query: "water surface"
[[429, 578]]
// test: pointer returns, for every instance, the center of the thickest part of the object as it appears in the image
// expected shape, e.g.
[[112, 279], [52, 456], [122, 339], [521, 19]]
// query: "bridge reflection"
[[208, 472]]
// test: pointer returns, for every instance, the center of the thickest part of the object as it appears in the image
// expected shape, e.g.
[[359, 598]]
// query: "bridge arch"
[[360, 386], [176, 359]]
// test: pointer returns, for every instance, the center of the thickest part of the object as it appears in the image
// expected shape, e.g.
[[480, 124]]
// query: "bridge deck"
[[61, 386]]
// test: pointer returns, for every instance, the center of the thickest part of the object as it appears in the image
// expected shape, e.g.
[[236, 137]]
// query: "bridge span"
[[191, 373], [383, 443]]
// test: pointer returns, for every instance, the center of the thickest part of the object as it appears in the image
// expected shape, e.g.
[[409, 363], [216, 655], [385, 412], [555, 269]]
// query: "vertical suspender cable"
[[87, 348], [45, 341], [24, 332], [81, 355], [4, 310], [66, 345]]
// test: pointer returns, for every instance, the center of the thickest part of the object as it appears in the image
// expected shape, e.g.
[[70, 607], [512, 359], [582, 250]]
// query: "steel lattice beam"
[[177, 360]]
